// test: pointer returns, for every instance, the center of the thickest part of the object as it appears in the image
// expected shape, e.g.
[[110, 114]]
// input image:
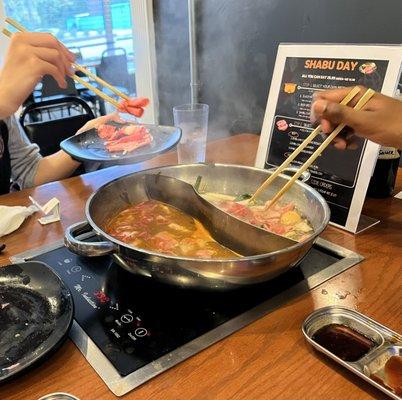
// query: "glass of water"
[[193, 121]]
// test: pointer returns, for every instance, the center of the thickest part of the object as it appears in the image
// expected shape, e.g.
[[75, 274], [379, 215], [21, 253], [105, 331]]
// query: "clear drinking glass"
[[193, 121]]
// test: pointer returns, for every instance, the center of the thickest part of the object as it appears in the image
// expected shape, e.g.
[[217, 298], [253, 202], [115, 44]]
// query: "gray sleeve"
[[24, 155]]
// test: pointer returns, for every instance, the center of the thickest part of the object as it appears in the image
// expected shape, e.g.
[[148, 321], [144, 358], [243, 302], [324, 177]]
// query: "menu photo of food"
[[282, 125], [289, 87]]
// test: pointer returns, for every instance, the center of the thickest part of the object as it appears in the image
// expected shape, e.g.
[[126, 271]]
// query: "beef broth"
[[159, 227]]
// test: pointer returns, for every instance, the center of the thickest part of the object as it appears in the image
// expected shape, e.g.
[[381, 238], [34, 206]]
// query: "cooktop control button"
[[140, 332], [126, 318]]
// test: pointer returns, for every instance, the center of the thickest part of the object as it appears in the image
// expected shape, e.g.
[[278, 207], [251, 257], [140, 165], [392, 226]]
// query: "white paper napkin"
[[51, 210], [11, 218]]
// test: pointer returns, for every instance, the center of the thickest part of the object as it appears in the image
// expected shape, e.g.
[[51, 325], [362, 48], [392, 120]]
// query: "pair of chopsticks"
[[78, 67], [360, 104]]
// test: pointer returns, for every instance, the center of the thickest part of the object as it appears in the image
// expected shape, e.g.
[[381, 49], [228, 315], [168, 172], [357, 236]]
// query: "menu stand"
[[365, 223]]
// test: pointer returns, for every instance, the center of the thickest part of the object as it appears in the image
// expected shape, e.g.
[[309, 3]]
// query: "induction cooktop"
[[131, 328]]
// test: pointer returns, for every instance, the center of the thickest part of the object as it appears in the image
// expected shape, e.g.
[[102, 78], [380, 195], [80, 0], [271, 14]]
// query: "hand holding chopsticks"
[[302, 146], [380, 122], [360, 104], [125, 106], [29, 57]]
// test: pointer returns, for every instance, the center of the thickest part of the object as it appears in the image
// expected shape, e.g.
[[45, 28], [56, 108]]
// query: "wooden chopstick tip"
[[15, 24], [6, 32]]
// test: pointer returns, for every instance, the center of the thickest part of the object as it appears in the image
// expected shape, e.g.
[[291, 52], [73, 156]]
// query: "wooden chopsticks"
[[101, 81], [78, 67], [306, 141], [360, 104]]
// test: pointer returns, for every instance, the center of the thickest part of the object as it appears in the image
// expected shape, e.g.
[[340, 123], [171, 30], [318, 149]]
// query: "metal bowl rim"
[[100, 231]]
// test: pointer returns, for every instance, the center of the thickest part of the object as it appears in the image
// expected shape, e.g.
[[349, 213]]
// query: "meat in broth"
[[159, 227], [283, 219]]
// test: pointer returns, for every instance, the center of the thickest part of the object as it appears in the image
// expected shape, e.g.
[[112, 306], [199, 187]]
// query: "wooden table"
[[268, 359]]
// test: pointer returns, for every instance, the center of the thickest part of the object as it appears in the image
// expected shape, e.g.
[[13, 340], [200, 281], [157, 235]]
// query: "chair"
[[49, 133], [51, 88], [78, 55], [34, 116], [113, 69], [83, 92]]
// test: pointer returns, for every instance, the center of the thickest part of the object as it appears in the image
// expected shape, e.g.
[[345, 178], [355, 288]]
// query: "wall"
[[172, 55], [237, 42]]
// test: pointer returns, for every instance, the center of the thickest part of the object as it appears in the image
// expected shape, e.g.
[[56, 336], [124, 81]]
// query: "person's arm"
[[28, 167], [24, 156], [380, 120], [29, 57], [55, 167]]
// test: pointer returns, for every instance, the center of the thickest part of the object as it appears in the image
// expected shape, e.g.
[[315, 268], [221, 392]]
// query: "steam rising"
[[237, 45], [228, 48]]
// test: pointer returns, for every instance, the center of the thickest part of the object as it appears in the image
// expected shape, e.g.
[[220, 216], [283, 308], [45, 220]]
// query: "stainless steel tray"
[[387, 343]]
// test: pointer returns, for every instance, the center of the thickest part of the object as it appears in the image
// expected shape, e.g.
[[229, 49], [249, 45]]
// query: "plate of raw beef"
[[121, 143]]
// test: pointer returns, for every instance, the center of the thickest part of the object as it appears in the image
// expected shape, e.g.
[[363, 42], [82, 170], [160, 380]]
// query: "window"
[[87, 27], [92, 28]]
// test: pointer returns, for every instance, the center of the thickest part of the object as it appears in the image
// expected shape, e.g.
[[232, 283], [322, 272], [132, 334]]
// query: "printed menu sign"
[[341, 176]]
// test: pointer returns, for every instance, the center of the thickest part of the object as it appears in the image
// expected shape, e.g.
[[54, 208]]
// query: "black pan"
[[36, 312]]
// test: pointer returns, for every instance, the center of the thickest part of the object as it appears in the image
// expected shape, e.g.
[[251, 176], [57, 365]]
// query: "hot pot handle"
[[89, 249]]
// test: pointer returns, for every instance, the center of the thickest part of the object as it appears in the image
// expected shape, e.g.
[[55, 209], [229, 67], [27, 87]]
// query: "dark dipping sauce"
[[344, 342]]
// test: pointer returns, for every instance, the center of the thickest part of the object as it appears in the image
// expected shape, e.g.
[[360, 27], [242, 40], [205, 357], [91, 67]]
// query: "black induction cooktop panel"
[[135, 320]]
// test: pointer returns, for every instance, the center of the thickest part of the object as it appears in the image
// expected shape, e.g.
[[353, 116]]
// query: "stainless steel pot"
[[191, 272]]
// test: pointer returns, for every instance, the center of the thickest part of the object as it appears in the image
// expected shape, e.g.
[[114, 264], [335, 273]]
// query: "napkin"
[[51, 210], [11, 218]]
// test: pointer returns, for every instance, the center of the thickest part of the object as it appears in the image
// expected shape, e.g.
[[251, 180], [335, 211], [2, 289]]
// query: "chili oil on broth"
[[159, 227]]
